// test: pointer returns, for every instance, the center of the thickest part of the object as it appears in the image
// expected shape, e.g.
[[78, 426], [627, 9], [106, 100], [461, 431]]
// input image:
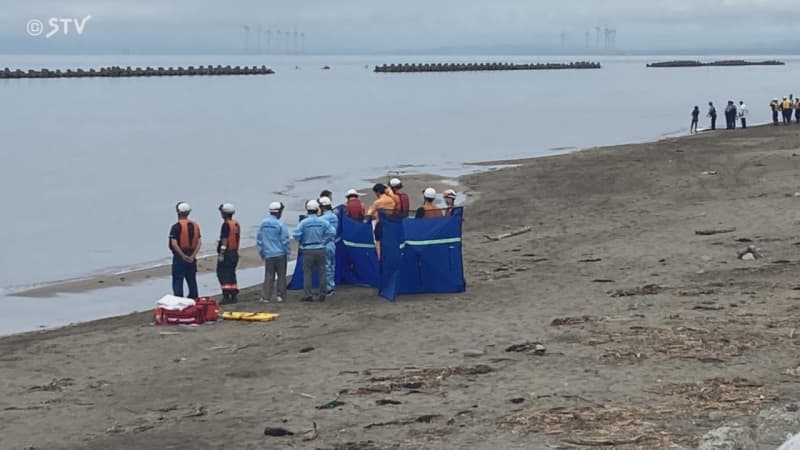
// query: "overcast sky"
[[382, 25]]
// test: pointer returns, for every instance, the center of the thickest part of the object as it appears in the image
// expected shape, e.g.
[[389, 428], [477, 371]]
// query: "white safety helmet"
[[312, 205], [324, 201], [275, 207], [353, 193], [449, 193], [394, 182], [227, 208], [429, 193], [183, 207]]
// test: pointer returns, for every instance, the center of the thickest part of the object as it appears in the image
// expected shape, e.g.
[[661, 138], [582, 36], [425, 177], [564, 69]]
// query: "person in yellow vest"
[[786, 107], [228, 254], [774, 106], [428, 209], [384, 202]]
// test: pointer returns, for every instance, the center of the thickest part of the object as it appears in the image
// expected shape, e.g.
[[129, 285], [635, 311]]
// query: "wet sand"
[[653, 333]]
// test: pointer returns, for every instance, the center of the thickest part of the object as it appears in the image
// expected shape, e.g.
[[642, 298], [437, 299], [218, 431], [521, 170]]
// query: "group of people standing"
[[785, 107], [732, 113], [316, 235]]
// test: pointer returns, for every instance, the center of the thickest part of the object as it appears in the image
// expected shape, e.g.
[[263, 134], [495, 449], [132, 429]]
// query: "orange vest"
[[188, 240], [431, 210], [232, 242]]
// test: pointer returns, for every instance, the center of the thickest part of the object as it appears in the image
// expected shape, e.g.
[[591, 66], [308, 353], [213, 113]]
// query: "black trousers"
[[713, 122], [226, 272], [181, 270], [775, 117], [744, 122]]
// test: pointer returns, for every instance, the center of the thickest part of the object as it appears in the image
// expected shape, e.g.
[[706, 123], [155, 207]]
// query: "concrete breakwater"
[[118, 72], [726, 63], [469, 67]]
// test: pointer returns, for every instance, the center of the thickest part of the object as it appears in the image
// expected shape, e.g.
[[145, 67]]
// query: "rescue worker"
[[312, 233], [326, 207], [403, 207], [353, 208], [184, 241], [712, 113], [743, 113], [774, 106], [428, 210], [450, 201], [695, 119], [273, 247], [228, 253], [383, 203], [786, 107]]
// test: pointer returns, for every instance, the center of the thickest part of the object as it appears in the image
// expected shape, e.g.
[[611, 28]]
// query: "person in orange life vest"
[[403, 206], [228, 254], [353, 208], [384, 203], [428, 209], [184, 241], [450, 201]]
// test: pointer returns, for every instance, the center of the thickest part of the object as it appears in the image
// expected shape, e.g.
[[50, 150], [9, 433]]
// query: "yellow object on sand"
[[249, 316]]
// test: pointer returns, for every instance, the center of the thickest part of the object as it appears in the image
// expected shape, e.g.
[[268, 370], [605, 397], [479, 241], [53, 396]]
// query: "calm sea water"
[[92, 168]]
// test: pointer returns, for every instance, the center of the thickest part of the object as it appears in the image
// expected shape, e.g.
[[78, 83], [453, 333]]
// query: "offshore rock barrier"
[[119, 72], [727, 63], [471, 67]]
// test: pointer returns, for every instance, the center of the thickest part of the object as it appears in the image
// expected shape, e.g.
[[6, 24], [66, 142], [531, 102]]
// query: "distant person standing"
[[786, 107], [273, 247], [326, 206], [774, 106], [184, 241], [730, 115], [312, 233], [712, 113], [797, 110], [743, 113], [383, 203], [449, 201], [228, 253], [695, 119]]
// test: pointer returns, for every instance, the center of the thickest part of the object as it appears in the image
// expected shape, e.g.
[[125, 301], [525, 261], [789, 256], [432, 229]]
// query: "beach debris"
[[590, 260], [500, 237], [387, 401], [414, 380], [199, 411], [333, 404], [302, 394], [733, 437], [711, 232], [648, 289], [426, 418], [604, 442], [750, 253], [517, 400], [277, 432], [794, 372], [603, 280], [562, 321], [56, 385], [311, 434], [711, 307], [473, 353], [709, 172], [306, 349], [535, 348]]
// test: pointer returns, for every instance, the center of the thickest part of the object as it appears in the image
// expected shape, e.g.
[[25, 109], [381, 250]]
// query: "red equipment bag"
[[208, 308], [186, 316]]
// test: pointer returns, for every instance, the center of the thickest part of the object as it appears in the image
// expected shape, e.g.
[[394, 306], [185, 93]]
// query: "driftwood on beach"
[[118, 72], [470, 67], [726, 63]]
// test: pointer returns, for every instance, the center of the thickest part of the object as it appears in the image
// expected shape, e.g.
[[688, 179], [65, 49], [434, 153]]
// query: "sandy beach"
[[651, 330]]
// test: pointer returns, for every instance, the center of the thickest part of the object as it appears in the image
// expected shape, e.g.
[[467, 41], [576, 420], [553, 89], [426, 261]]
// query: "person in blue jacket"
[[330, 248], [273, 246], [313, 233]]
